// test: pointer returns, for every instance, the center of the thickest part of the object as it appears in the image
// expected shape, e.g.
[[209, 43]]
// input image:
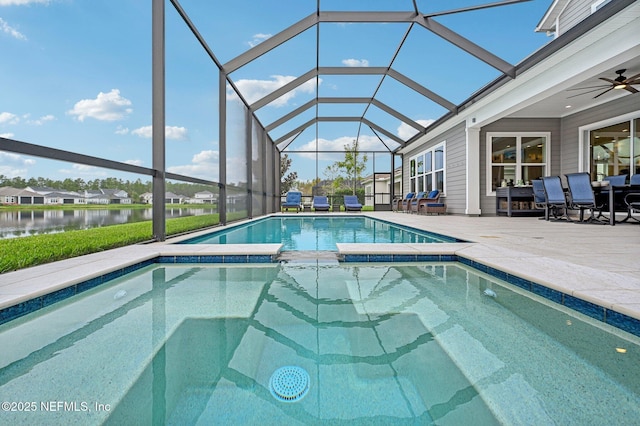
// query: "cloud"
[[22, 2], [405, 131], [355, 62], [105, 107], [8, 118], [14, 165], [7, 135], [258, 38], [365, 142], [203, 165], [122, 130], [253, 90], [82, 170], [40, 121], [170, 132], [134, 162], [7, 29]]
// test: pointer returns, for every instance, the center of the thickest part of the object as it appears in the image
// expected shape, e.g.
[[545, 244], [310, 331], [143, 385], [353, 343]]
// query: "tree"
[[352, 166], [286, 182]]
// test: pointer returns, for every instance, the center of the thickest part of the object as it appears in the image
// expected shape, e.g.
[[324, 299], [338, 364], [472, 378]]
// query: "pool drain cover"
[[289, 384]]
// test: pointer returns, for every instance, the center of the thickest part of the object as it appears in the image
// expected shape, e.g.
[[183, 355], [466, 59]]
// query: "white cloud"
[[105, 107], [170, 132], [122, 130], [134, 162], [7, 29], [405, 131], [355, 62], [82, 170], [253, 90], [203, 165], [22, 2], [258, 38], [40, 121], [7, 135], [365, 142], [8, 118], [14, 165]]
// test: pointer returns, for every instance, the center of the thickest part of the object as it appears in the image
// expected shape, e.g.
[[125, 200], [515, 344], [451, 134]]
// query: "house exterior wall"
[[515, 125], [575, 12], [571, 124], [455, 167]]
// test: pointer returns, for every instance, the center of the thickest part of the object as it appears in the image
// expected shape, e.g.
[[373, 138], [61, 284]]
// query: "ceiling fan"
[[620, 82]]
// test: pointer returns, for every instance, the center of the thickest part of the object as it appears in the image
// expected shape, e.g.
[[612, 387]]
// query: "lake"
[[23, 223]]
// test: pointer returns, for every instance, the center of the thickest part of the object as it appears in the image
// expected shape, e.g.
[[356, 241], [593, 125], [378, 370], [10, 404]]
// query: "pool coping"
[[597, 293]]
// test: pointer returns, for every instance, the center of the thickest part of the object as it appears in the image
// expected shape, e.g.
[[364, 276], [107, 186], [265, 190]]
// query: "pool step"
[[309, 257]]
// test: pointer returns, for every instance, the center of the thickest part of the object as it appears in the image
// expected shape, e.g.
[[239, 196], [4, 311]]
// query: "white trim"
[[432, 149], [472, 153], [584, 158], [518, 136]]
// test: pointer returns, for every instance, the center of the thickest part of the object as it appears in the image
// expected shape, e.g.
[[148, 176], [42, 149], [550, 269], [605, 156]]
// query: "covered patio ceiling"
[[379, 72]]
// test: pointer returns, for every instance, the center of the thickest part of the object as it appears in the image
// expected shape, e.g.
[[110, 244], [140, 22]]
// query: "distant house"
[[9, 195], [377, 187], [203, 197], [171, 198], [107, 196], [56, 197], [146, 197]]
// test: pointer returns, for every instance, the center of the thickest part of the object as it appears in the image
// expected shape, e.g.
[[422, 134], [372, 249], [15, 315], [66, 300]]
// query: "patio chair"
[[293, 201], [540, 198], [412, 206], [632, 200], [555, 197], [432, 197], [403, 202], [602, 198], [320, 203], [351, 203], [582, 196]]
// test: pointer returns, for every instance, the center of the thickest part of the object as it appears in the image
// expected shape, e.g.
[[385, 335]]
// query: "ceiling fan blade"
[[609, 80], [585, 93], [633, 78], [631, 89], [597, 96], [590, 87]]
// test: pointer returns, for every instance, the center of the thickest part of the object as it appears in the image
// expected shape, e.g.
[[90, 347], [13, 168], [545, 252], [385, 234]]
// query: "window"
[[515, 158], [611, 152], [428, 170]]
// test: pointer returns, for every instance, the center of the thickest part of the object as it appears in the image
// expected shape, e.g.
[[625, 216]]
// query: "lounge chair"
[[320, 203], [556, 198], [352, 204], [293, 201], [412, 205], [540, 198], [582, 196], [431, 198], [404, 202]]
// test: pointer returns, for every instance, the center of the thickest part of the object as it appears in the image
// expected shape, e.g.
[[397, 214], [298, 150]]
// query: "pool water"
[[405, 343], [318, 233]]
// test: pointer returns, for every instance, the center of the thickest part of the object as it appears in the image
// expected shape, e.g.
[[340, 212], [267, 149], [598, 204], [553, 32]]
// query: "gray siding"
[[456, 166], [575, 12], [571, 123], [488, 203]]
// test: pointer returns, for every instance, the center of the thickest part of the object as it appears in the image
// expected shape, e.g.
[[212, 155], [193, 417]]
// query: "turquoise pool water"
[[318, 233], [405, 343]]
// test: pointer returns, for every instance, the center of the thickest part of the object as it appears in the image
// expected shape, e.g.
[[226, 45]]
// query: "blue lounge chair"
[[404, 202], [351, 203], [293, 201], [555, 196], [432, 198], [320, 203], [412, 205], [582, 196]]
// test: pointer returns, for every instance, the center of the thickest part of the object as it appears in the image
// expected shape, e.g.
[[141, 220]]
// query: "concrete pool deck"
[[596, 263]]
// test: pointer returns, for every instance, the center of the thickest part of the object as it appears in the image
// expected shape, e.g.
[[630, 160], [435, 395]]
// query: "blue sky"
[[76, 75]]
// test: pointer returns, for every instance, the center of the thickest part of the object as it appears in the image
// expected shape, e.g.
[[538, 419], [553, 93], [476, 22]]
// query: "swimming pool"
[[381, 343], [318, 233]]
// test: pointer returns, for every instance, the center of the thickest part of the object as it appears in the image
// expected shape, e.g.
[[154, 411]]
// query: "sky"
[[76, 75]]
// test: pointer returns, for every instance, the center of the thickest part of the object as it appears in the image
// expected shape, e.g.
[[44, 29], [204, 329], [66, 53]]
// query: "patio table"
[[621, 191]]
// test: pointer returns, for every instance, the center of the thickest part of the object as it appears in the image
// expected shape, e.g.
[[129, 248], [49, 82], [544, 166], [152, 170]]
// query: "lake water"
[[32, 222]]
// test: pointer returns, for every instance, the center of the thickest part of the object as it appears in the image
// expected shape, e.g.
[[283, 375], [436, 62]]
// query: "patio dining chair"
[[632, 199], [582, 196], [540, 198], [556, 198]]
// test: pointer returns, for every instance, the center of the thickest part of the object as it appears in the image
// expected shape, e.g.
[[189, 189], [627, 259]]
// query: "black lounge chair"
[[555, 196], [293, 201], [582, 196], [351, 203], [320, 203]]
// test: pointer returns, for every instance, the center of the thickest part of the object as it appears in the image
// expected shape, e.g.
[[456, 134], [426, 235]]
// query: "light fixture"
[[567, 106], [621, 350]]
